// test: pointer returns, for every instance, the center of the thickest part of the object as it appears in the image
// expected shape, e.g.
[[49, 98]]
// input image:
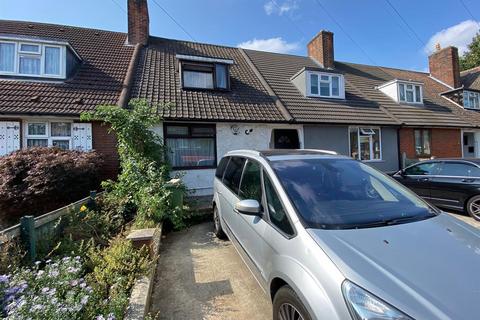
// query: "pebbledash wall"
[[445, 143], [201, 180]]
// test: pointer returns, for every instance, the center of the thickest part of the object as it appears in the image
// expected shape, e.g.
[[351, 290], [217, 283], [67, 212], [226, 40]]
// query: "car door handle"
[[424, 179], [468, 180]]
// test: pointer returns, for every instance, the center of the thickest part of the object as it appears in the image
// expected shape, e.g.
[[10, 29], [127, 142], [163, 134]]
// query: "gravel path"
[[201, 277]]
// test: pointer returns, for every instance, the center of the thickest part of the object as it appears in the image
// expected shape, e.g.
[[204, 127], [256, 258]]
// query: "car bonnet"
[[428, 269]]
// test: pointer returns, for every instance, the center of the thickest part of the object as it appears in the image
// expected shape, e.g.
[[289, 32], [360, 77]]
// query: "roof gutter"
[[281, 107], [128, 80]]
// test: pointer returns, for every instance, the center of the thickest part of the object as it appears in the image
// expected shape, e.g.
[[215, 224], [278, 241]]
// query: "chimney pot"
[[320, 48], [138, 22], [444, 65]]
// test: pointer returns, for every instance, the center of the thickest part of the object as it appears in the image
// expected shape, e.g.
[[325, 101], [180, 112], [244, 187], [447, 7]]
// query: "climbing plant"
[[143, 180]]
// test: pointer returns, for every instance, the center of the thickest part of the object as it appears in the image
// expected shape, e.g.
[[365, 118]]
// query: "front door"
[[468, 145], [286, 139]]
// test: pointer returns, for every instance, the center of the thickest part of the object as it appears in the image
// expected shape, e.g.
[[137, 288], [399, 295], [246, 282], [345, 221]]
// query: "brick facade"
[[444, 66], [445, 143], [106, 144], [320, 48]]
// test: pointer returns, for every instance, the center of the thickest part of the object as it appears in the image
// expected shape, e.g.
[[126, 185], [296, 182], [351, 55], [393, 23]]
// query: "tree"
[[471, 58]]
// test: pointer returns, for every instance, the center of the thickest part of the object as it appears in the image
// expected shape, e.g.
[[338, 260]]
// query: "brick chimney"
[[444, 66], [138, 22], [320, 48]]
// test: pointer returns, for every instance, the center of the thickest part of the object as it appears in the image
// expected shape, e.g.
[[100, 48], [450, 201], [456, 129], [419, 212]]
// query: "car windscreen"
[[344, 193]]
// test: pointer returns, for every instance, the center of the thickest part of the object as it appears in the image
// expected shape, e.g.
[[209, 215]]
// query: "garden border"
[[139, 302]]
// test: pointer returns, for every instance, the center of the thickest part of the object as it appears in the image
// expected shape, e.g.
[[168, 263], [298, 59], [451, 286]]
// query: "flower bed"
[[87, 273]]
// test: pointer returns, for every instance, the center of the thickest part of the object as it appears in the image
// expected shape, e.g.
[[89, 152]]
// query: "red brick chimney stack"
[[320, 48], [444, 66], [138, 22]]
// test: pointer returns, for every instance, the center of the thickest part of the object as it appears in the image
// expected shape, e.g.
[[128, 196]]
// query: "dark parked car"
[[446, 183]]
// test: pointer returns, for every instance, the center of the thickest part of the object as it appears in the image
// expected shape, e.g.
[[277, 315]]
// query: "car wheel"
[[287, 306], [217, 226], [473, 207]]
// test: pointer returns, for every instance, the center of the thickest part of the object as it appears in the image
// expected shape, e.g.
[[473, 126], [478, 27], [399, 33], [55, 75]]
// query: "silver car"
[[328, 237]]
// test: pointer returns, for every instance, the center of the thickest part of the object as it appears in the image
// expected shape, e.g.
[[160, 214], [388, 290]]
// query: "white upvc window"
[[471, 100], [32, 59], [326, 85], [365, 143], [410, 93], [49, 134]]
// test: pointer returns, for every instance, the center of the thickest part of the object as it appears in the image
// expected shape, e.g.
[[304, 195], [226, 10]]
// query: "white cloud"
[[459, 35], [274, 6], [273, 45]]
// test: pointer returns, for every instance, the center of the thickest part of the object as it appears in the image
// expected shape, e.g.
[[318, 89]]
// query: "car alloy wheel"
[[289, 312], [474, 208]]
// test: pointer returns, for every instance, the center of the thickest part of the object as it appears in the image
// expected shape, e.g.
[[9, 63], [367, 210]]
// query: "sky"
[[393, 33]]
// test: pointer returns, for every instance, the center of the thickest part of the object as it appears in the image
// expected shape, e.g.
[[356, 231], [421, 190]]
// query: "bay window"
[[422, 142], [49, 134], [325, 85], [32, 59], [191, 146], [365, 143]]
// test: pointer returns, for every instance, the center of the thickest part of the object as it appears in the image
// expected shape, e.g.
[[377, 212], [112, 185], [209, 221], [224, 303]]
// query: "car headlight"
[[365, 306]]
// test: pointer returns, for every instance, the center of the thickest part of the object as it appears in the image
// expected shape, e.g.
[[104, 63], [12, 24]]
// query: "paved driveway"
[[201, 277]]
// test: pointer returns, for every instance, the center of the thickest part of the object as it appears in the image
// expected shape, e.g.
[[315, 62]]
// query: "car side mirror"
[[400, 173], [248, 207]]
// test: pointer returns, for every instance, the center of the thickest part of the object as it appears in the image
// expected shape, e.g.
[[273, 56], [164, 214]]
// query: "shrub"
[[39, 180], [144, 175]]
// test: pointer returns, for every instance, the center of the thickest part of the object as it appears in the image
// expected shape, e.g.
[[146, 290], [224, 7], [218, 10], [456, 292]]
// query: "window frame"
[[421, 130], [413, 90], [212, 66], [341, 84], [37, 55], [359, 129], [266, 213], [442, 163], [190, 136], [467, 94], [48, 133]]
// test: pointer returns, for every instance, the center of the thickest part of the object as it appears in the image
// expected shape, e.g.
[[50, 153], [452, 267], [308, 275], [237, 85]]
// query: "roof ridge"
[[470, 70], [61, 25]]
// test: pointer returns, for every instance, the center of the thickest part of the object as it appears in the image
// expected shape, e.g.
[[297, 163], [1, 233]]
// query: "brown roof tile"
[[158, 81], [97, 81], [471, 78], [363, 102]]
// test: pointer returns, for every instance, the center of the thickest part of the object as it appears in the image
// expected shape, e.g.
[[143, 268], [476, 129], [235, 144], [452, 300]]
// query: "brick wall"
[[106, 144], [444, 142]]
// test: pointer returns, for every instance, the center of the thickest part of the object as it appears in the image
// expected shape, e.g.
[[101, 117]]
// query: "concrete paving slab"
[[201, 277]]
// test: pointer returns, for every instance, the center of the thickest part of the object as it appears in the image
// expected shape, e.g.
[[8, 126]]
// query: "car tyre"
[[473, 207], [287, 305], [217, 226]]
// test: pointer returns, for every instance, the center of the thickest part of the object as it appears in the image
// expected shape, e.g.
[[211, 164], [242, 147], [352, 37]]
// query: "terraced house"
[[216, 98]]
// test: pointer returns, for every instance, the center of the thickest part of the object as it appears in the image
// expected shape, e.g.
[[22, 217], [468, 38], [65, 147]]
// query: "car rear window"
[[233, 173], [221, 168]]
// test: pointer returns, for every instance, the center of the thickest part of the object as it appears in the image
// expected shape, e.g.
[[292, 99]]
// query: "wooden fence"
[[32, 229]]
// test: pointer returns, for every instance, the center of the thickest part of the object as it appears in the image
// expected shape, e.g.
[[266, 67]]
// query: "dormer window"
[[325, 85], [204, 73], [403, 91], [410, 93], [32, 59], [471, 100]]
